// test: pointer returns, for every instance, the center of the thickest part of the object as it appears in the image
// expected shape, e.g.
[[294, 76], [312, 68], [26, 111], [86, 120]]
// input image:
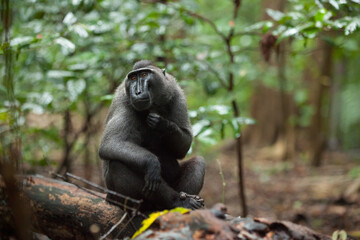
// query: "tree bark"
[[61, 210], [271, 108], [320, 82]]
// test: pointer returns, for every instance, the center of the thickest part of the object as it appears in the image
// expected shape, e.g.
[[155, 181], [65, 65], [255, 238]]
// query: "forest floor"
[[325, 198]]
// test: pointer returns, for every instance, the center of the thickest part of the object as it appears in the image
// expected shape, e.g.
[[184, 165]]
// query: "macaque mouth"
[[141, 104], [142, 100]]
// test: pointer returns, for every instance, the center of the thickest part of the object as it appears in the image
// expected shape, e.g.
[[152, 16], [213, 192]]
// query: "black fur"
[[147, 131]]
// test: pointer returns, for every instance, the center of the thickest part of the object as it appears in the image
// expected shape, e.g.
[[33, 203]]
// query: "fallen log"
[[61, 210]]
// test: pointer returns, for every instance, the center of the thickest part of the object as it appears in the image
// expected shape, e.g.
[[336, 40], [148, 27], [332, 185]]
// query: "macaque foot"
[[191, 201]]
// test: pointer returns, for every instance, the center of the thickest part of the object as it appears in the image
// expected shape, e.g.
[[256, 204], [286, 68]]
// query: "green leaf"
[[67, 47], [339, 23], [320, 14], [245, 121], [199, 126], [140, 48], [4, 115], [80, 30], [287, 33], [35, 108], [69, 19], [206, 137], [352, 26], [275, 14], [192, 114], [343, 235], [220, 109], [264, 25], [296, 15], [59, 74], [267, 26], [45, 98], [236, 127], [108, 97], [334, 4], [238, 122], [21, 41], [339, 235], [78, 66], [75, 88]]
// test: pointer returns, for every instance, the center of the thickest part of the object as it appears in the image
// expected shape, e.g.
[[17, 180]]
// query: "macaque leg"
[[124, 180], [192, 174]]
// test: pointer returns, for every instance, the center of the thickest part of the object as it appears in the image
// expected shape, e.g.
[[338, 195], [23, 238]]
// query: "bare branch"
[[208, 21], [217, 75], [114, 227]]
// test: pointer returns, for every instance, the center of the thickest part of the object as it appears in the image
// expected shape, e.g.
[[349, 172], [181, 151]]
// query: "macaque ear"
[[164, 71]]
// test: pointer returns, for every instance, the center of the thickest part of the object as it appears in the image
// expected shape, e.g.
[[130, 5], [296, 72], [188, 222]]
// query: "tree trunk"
[[270, 107], [61, 210], [340, 76], [319, 98], [65, 165]]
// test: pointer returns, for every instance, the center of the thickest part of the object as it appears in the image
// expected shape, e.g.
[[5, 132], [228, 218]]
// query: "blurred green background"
[[281, 76]]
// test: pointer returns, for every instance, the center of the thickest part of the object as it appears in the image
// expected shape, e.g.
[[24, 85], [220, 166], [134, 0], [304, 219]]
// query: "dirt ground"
[[325, 199]]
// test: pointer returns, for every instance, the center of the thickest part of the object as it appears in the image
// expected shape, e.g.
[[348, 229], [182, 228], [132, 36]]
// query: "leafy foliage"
[[306, 19]]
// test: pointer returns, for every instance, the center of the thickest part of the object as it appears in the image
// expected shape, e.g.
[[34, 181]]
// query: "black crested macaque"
[[147, 131]]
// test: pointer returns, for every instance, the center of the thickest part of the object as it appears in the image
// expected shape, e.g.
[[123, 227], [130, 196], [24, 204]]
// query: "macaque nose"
[[138, 89]]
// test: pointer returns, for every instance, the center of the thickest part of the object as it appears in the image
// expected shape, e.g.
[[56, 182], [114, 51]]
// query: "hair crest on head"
[[142, 64]]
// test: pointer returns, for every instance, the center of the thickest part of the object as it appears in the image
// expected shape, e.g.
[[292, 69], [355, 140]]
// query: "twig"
[[236, 34], [223, 181], [137, 203], [129, 221], [235, 13], [103, 189], [204, 19], [217, 75], [113, 227]]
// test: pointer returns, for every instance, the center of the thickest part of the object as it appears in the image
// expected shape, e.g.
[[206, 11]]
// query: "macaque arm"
[[175, 131], [119, 144], [178, 139]]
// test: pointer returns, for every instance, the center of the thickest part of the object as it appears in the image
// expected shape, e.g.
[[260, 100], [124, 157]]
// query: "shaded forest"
[[272, 87]]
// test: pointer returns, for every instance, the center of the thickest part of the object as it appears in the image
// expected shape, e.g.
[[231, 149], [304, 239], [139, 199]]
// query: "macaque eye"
[[133, 78], [143, 75]]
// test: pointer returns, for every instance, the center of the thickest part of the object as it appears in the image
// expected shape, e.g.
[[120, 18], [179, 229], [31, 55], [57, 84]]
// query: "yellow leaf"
[[147, 222], [153, 216], [180, 210]]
